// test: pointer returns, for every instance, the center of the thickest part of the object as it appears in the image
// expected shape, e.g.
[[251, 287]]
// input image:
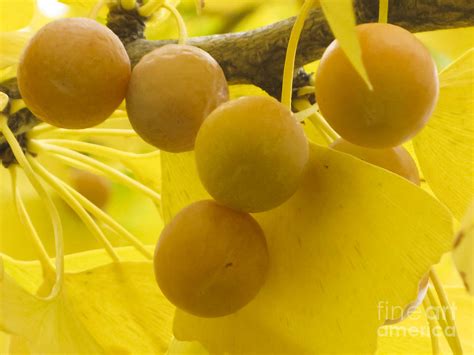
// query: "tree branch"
[[258, 56]]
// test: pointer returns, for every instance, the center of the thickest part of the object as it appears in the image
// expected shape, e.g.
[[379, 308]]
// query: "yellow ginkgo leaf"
[[412, 336], [163, 14], [49, 326], [16, 14], [12, 44], [463, 251], [177, 347], [4, 342], [341, 19], [445, 147], [450, 43], [353, 238], [180, 183], [86, 4], [112, 308], [86, 8], [240, 90], [17, 346]]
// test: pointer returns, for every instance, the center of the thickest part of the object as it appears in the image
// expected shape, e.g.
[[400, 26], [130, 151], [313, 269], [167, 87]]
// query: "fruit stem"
[[383, 11], [82, 161], [289, 68], [150, 7], [435, 306], [90, 148], [76, 207], [432, 324], [25, 219], [302, 114], [183, 32], [325, 126], [303, 105], [48, 201], [305, 90], [41, 129], [3, 101], [87, 132], [453, 341]]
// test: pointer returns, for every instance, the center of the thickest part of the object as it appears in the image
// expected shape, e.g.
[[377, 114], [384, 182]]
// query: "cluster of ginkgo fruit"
[[251, 153]]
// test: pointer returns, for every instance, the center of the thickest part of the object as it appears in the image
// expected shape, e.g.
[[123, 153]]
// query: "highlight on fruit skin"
[[405, 87], [251, 153], [172, 90], [210, 260], [94, 187], [396, 159], [74, 73]]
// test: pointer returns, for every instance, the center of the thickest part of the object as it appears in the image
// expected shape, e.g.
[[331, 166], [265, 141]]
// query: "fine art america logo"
[[418, 321]]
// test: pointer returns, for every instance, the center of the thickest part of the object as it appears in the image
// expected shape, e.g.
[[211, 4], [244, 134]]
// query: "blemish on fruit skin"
[[464, 280], [300, 243], [458, 240]]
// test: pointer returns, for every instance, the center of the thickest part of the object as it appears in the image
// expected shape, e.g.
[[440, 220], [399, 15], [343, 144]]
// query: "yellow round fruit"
[[74, 73], [251, 153], [405, 87], [172, 90], [210, 260], [396, 159], [93, 187]]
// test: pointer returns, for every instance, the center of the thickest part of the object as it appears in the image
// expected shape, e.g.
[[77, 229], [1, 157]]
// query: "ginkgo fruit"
[[211, 260], [396, 159], [74, 73], [405, 87], [172, 90], [251, 153], [94, 187]]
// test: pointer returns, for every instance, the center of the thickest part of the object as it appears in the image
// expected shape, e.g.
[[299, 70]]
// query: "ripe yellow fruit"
[[211, 260], [74, 73], [171, 92], [93, 187], [405, 87], [251, 153], [396, 159]]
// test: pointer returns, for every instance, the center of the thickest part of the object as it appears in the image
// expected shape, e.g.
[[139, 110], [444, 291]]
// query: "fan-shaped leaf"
[[445, 147], [15, 14], [104, 307]]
